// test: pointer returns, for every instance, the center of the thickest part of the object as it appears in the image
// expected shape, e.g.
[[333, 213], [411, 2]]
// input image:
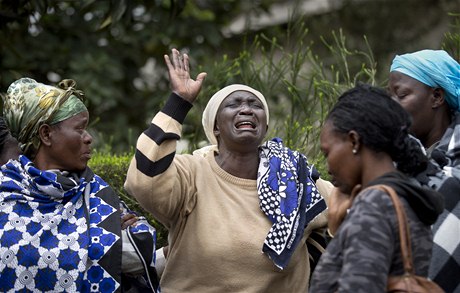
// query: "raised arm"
[[157, 178], [179, 76]]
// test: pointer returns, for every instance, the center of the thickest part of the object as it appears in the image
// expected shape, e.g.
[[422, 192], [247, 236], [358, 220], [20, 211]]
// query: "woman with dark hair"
[[366, 142]]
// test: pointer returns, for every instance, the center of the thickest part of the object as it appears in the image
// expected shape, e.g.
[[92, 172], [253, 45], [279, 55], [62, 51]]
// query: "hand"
[[338, 205], [128, 220], [179, 76]]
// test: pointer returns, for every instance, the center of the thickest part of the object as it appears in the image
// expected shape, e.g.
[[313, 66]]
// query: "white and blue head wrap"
[[434, 68]]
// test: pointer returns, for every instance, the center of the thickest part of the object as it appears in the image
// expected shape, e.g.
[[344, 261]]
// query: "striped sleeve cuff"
[[177, 108]]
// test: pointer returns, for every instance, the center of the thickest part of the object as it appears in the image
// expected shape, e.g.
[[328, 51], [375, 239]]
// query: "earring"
[[355, 151]]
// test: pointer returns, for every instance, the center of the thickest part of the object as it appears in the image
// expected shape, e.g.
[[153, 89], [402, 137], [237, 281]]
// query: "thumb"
[[355, 190], [201, 77]]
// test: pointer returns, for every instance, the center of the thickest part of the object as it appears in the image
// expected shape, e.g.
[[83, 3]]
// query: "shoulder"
[[373, 196], [371, 207]]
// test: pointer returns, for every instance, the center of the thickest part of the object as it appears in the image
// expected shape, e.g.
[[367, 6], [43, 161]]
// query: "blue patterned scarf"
[[47, 241], [288, 196]]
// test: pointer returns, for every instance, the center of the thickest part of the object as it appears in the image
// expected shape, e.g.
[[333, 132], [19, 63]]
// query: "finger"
[[175, 57], [128, 223], [186, 63], [168, 62], [131, 221], [356, 190], [127, 217]]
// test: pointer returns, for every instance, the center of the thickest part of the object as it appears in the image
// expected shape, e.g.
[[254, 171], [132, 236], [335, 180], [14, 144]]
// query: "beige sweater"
[[216, 228]]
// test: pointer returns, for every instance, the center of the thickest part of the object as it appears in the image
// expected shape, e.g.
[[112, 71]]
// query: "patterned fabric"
[[28, 104], [48, 243], [445, 265], [142, 237], [434, 68], [288, 196]]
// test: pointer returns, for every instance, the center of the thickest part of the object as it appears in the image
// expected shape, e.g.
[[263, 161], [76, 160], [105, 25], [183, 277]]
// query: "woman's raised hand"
[[179, 76]]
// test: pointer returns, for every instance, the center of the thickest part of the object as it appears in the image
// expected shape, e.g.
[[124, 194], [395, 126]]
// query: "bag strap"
[[404, 235]]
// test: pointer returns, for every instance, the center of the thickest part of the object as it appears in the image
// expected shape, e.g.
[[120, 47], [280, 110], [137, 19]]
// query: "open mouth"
[[245, 125]]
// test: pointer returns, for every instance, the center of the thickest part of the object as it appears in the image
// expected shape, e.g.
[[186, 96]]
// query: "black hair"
[[382, 125], [4, 133]]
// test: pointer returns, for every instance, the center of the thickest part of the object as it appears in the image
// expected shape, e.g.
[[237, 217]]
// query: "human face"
[[343, 166], [70, 144], [241, 120], [417, 99]]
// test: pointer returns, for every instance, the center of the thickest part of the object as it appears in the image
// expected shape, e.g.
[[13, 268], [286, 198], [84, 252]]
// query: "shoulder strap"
[[404, 235]]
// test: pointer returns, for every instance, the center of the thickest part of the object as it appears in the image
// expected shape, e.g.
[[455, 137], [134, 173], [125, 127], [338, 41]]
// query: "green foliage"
[[114, 50], [451, 42], [113, 168]]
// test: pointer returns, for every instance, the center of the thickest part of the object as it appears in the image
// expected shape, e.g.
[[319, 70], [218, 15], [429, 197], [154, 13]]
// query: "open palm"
[[179, 75]]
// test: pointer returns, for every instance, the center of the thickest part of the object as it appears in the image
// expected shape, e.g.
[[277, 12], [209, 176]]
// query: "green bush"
[[112, 168]]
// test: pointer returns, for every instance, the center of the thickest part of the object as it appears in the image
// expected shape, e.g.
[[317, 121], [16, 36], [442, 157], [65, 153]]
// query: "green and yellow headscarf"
[[29, 104]]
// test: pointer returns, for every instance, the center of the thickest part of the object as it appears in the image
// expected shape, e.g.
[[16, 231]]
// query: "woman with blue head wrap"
[[427, 84]]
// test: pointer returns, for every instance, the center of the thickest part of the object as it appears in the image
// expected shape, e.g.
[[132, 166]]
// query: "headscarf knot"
[[70, 85]]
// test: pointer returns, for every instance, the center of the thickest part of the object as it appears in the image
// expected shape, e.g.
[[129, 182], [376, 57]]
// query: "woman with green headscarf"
[[60, 224]]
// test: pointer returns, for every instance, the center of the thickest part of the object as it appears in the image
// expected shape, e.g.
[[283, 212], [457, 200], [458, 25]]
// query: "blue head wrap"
[[434, 68]]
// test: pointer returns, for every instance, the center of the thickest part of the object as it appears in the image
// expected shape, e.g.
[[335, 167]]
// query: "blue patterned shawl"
[[288, 196], [47, 241]]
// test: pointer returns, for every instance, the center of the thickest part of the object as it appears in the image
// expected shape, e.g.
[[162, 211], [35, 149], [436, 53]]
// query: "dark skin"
[[66, 145], [431, 115], [10, 150], [52, 151], [128, 220], [351, 166], [240, 128]]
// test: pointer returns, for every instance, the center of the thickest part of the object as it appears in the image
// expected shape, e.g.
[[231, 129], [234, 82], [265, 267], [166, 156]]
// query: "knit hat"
[[210, 112]]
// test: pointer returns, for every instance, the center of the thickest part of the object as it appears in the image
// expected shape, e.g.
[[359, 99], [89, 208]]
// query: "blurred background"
[[299, 54]]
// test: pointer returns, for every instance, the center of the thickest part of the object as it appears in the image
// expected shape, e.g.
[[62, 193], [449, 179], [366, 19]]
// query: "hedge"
[[112, 168]]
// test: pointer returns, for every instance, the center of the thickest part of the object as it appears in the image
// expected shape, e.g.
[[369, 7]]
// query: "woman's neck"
[[377, 164], [242, 165], [438, 128]]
